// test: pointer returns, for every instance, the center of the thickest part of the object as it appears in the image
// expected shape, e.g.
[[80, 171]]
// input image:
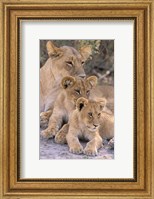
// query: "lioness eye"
[[90, 114], [69, 63], [77, 91]]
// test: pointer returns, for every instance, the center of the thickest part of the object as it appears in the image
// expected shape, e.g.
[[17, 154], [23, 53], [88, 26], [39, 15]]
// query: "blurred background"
[[101, 62]]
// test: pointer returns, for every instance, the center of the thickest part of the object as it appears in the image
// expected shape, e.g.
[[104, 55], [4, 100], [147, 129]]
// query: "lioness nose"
[[82, 75], [95, 125]]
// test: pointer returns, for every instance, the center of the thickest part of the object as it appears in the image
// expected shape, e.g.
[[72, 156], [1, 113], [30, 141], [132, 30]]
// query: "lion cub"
[[84, 123], [73, 88]]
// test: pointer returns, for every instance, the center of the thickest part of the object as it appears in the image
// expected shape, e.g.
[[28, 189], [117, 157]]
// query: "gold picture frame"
[[142, 186]]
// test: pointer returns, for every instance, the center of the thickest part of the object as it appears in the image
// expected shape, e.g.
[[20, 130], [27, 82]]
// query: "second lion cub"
[[84, 123]]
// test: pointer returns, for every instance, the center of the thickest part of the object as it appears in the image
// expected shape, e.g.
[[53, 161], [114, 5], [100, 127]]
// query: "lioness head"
[[90, 112], [67, 60], [76, 87]]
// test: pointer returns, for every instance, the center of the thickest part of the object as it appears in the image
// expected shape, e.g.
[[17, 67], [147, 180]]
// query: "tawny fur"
[[107, 92], [106, 129]]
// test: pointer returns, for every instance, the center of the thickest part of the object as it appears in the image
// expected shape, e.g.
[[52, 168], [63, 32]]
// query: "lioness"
[[73, 88], [62, 62], [84, 123]]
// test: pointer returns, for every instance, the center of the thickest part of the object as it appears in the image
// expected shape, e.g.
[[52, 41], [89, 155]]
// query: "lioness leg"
[[74, 144], [44, 118], [92, 146], [55, 124], [60, 137]]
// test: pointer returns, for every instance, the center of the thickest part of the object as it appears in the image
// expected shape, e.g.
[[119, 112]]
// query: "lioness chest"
[[49, 87]]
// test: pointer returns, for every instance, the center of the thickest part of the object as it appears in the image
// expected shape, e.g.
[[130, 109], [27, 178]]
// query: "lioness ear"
[[68, 81], [92, 81], [86, 51], [102, 103], [81, 102], [53, 51]]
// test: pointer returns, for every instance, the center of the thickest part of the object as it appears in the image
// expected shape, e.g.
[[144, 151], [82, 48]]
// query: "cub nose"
[[95, 125]]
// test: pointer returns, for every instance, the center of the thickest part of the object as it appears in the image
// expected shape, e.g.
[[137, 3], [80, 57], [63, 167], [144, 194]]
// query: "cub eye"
[[78, 92], [69, 63], [90, 114], [99, 114], [88, 92]]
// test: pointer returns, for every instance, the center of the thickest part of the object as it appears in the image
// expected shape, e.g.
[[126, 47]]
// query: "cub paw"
[[48, 133], [44, 119], [60, 138], [76, 150], [90, 151]]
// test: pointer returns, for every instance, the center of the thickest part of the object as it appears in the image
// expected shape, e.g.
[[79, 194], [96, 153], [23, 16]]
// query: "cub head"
[[90, 112], [76, 87], [68, 61]]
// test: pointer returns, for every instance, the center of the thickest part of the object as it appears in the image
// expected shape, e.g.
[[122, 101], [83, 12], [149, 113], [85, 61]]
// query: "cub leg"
[[93, 146], [60, 137], [74, 144], [55, 124], [44, 118]]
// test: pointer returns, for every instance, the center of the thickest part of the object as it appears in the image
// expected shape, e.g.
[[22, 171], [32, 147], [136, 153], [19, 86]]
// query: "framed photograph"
[[77, 99]]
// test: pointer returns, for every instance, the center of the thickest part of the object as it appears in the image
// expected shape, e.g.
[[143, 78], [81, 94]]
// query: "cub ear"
[[68, 81], [85, 51], [53, 51], [101, 103], [92, 81], [81, 102]]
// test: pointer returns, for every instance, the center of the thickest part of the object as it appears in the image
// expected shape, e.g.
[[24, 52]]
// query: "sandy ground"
[[50, 150]]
